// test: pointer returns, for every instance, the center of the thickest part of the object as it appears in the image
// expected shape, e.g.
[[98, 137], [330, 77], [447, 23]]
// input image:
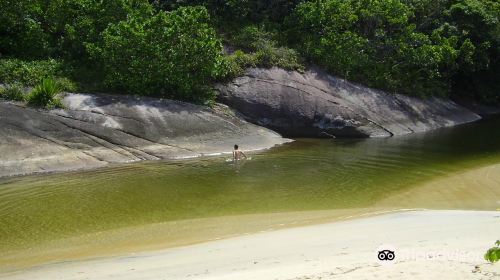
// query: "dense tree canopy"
[[173, 47], [414, 47], [176, 52], [375, 43], [239, 11], [37, 29], [137, 49]]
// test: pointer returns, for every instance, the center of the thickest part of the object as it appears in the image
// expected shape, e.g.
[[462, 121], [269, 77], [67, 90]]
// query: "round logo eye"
[[386, 254]]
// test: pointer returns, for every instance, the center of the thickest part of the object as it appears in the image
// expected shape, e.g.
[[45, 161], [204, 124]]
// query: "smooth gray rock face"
[[95, 130], [315, 104]]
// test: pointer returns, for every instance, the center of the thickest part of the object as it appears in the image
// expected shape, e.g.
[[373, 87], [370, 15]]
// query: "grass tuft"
[[45, 94]]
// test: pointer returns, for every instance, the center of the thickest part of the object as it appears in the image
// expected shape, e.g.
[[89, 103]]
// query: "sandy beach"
[[427, 244]]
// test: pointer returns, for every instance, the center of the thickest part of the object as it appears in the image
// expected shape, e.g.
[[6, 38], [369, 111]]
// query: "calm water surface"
[[304, 175]]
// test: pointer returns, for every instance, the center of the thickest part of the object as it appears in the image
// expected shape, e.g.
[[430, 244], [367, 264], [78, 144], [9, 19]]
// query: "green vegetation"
[[493, 254], [258, 47], [12, 92], [45, 95], [124, 46], [413, 46], [174, 54], [29, 73], [65, 84], [173, 48]]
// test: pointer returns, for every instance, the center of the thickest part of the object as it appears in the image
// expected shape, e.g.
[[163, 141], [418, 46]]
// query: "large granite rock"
[[95, 130], [314, 104]]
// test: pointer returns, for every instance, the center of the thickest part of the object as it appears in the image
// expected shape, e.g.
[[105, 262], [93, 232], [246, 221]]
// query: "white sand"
[[428, 245]]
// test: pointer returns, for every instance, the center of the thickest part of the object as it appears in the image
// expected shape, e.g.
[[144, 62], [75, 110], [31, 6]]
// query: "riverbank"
[[93, 131], [427, 244]]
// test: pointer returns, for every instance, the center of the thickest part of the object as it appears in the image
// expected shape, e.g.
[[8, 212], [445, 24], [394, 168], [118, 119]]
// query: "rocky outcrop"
[[315, 104], [95, 130], [484, 110]]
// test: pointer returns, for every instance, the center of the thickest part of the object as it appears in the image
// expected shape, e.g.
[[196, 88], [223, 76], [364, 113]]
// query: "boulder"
[[95, 130], [315, 104]]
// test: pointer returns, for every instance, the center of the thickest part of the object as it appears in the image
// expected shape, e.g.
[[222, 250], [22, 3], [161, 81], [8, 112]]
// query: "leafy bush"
[[12, 92], [175, 54], [253, 38], [279, 57], [262, 50], [28, 73], [66, 84], [45, 94], [237, 63], [493, 254]]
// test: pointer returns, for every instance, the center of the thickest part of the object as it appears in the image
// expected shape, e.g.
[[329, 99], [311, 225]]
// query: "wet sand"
[[167, 235], [437, 244]]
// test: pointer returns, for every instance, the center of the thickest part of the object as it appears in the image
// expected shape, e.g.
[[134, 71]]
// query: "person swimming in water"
[[237, 154]]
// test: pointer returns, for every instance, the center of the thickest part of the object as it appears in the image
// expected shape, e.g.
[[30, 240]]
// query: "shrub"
[[66, 84], [13, 92], [279, 57], [45, 94], [262, 50], [253, 38], [175, 54], [236, 63], [493, 254], [28, 73]]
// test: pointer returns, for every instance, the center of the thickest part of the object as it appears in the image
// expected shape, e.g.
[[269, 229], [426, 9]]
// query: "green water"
[[304, 175]]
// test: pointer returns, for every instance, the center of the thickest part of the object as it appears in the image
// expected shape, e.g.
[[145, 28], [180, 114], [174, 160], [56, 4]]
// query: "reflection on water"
[[305, 175]]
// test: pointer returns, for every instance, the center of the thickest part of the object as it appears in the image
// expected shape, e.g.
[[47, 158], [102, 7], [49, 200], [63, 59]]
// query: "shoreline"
[[334, 250], [100, 130], [174, 234], [117, 164], [95, 131]]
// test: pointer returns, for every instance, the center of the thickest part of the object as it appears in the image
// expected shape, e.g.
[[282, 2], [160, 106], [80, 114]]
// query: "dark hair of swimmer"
[[236, 147]]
